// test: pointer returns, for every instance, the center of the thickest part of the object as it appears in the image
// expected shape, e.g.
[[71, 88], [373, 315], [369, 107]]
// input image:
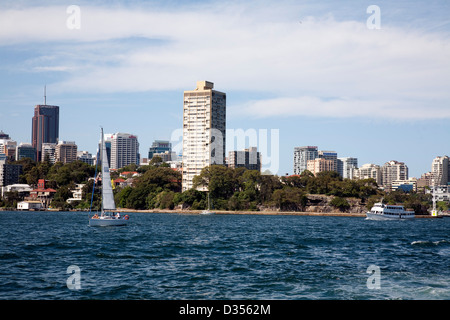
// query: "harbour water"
[[181, 256]]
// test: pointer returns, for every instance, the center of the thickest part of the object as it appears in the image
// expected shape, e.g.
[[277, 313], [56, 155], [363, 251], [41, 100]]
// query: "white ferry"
[[381, 211]]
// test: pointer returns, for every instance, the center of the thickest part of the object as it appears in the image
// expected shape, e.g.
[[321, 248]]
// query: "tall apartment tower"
[[66, 152], [204, 130], [45, 127], [301, 157], [124, 150]]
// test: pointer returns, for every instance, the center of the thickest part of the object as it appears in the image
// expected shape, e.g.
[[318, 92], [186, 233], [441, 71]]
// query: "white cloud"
[[319, 67]]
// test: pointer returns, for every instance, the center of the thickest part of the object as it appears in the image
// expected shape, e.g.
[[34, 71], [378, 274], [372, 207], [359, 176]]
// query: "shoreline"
[[225, 212]]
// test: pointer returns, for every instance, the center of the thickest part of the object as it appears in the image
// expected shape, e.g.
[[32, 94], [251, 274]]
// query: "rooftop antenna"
[[45, 95]]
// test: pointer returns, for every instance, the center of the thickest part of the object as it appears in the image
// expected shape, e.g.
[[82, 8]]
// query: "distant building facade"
[[159, 146], [25, 150], [301, 157], [320, 164], [124, 150], [66, 152], [248, 158], [346, 167], [393, 170], [369, 171]]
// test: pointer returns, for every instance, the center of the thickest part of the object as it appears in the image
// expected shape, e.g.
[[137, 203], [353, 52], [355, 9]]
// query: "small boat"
[[107, 216], [381, 211], [207, 211]]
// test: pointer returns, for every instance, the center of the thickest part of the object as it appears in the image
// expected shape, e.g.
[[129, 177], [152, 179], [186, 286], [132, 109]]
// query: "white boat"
[[208, 211], [381, 211], [107, 216]]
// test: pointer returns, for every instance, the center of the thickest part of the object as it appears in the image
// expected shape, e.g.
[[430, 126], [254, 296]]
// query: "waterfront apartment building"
[[346, 167], [66, 152], [248, 158], [439, 171], [204, 130], [301, 157], [393, 170], [45, 127], [369, 171], [9, 173], [124, 150]]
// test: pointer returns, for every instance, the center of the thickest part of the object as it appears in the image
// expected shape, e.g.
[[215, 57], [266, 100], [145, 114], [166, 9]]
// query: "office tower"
[[249, 158], [393, 170], [159, 146], [368, 171], [45, 128], [25, 150], [439, 171], [204, 125], [301, 157], [346, 167], [66, 152], [124, 150]]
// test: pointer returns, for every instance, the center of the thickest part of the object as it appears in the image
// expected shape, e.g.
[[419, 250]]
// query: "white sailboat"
[[208, 211], [107, 216]]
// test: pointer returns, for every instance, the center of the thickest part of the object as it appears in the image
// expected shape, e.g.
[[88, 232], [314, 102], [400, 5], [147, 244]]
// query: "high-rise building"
[[7, 146], [249, 158], [124, 150], [301, 157], [45, 127], [9, 173], [48, 152], [204, 130], [439, 171], [329, 155], [66, 152], [368, 171], [85, 157], [393, 170], [25, 150], [159, 146], [346, 167]]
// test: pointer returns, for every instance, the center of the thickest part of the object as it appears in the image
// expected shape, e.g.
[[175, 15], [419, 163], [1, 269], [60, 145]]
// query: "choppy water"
[[172, 256]]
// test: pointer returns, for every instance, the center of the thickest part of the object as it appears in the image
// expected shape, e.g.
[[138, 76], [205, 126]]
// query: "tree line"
[[159, 187]]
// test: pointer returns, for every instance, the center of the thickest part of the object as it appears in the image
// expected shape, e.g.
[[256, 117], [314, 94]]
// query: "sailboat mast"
[[101, 163]]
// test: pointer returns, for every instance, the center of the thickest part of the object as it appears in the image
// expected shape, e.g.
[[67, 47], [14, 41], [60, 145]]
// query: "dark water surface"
[[173, 256]]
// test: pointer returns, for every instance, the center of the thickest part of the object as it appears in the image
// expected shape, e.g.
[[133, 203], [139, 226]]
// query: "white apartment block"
[[124, 150], [368, 171], [204, 130], [346, 167], [439, 171], [393, 170]]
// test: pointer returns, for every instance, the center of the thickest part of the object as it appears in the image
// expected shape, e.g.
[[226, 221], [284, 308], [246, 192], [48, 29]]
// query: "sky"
[[367, 79]]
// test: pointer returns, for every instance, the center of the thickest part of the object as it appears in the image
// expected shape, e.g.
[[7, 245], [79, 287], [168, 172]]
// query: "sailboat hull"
[[107, 221]]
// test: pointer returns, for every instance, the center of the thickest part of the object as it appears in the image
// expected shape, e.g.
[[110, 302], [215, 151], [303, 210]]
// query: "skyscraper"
[[204, 125], [45, 127]]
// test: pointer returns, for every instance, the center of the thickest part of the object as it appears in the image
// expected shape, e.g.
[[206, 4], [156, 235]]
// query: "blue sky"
[[313, 70]]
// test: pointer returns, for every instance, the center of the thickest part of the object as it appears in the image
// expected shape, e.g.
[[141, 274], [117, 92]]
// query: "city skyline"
[[315, 71]]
